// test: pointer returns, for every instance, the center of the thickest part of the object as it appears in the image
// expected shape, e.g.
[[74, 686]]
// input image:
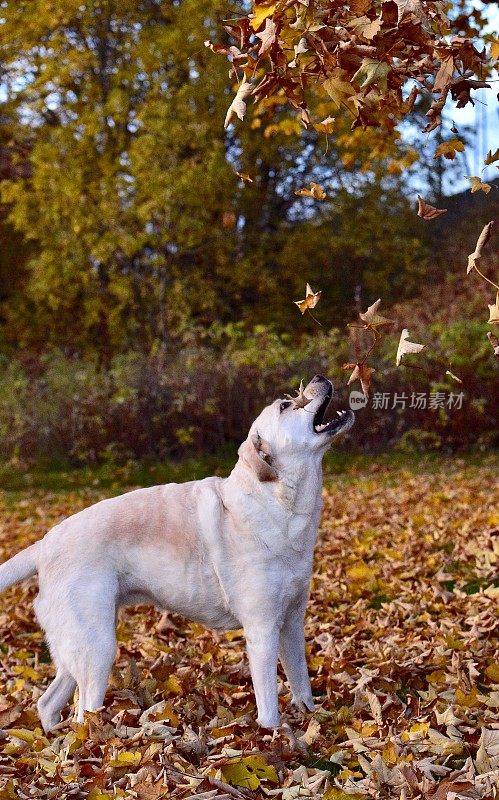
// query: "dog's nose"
[[319, 379]]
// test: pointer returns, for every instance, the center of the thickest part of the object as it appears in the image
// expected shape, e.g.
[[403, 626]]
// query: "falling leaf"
[[491, 157], [482, 241], [301, 400], [494, 341], [362, 373], [372, 318], [449, 149], [267, 36], [405, 347], [426, 211], [260, 14], [326, 126], [316, 191], [477, 185], [494, 312], [311, 300], [245, 177], [373, 71], [238, 106]]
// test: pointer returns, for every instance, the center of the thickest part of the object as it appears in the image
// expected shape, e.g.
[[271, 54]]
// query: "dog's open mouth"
[[342, 419]]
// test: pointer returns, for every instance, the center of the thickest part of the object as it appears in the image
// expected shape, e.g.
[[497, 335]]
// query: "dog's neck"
[[297, 488]]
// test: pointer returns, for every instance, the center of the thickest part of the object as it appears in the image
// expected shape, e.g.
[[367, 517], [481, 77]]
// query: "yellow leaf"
[[436, 677], [449, 149], [494, 49], [126, 758], [492, 672], [467, 700], [360, 572], [478, 185], [260, 14], [172, 685], [248, 772], [368, 729], [420, 727], [388, 754]]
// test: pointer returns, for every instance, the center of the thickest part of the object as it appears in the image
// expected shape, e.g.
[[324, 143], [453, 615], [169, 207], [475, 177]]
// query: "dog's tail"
[[21, 566]]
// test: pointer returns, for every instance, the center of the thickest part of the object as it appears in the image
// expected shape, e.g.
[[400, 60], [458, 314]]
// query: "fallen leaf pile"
[[402, 648]]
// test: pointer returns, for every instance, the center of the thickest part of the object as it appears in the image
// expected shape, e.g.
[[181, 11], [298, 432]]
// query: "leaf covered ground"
[[402, 633]]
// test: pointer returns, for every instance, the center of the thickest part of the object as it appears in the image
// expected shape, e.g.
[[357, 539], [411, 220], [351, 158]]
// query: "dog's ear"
[[256, 453]]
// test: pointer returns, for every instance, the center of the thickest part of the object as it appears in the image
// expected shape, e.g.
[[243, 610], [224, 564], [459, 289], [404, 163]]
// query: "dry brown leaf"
[[406, 347], [362, 373], [326, 126], [444, 74], [491, 157], [372, 318], [449, 149], [426, 211], [494, 342], [316, 191], [482, 241], [478, 185], [311, 300], [267, 36], [245, 177], [494, 312], [238, 106]]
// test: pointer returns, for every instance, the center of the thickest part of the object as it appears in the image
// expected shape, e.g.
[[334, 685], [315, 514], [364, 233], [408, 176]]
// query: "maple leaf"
[[426, 211], [449, 149], [338, 88], [444, 74], [267, 36], [410, 8], [477, 252], [405, 347], [238, 106], [477, 185], [311, 300], [494, 342], [245, 177], [301, 400], [494, 312], [362, 373], [372, 318], [316, 191], [491, 157], [260, 14], [368, 28], [373, 71]]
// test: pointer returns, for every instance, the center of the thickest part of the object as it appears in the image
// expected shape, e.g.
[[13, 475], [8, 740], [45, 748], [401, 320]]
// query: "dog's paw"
[[304, 704]]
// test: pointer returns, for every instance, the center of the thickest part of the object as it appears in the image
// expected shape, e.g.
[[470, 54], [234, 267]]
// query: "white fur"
[[229, 553]]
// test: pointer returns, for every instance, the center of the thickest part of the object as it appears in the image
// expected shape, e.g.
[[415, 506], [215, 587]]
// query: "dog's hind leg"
[[78, 616], [92, 673], [55, 698]]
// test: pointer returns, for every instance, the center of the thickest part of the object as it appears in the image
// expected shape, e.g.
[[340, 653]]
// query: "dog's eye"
[[284, 405]]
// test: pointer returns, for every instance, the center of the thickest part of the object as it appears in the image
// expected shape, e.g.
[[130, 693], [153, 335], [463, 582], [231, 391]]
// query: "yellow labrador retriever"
[[227, 552]]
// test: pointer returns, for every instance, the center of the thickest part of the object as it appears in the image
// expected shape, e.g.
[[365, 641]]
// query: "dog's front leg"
[[262, 643], [292, 653]]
